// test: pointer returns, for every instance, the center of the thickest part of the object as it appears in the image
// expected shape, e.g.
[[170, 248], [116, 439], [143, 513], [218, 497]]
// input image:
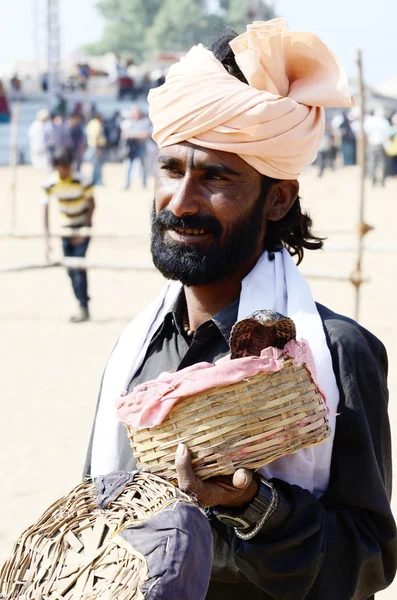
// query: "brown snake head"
[[260, 330]]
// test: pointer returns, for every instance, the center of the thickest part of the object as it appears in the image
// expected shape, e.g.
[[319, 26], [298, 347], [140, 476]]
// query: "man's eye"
[[215, 177], [170, 169]]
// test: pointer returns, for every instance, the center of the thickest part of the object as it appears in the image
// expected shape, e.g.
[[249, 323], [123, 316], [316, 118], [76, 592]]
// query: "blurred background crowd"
[[125, 136], [94, 100]]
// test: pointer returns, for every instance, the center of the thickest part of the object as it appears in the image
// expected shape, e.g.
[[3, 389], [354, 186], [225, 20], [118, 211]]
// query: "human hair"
[[294, 230], [62, 157]]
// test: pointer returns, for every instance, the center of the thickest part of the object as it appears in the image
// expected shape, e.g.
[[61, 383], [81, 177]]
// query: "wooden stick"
[[14, 162], [356, 277]]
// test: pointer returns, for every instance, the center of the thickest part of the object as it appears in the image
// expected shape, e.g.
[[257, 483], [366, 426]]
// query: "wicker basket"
[[73, 552], [247, 424]]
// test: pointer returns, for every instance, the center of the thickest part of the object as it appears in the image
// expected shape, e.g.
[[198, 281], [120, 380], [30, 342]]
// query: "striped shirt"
[[73, 195]]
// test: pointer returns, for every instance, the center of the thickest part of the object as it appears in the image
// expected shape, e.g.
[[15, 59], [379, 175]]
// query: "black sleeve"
[[342, 546]]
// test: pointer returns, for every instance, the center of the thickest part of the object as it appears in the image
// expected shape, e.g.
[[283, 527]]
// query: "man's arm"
[[343, 545], [91, 208]]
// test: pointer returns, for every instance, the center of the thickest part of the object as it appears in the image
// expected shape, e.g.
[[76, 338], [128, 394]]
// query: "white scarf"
[[272, 284]]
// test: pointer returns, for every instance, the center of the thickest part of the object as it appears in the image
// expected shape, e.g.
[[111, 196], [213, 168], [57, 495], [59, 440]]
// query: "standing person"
[[79, 139], [391, 148], [96, 141], [79, 111], [37, 138], [16, 87], [226, 221], [61, 107], [113, 135], [76, 203], [49, 137], [135, 132], [348, 142], [376, 128], [324, 155], [5, 113], [61, 134]]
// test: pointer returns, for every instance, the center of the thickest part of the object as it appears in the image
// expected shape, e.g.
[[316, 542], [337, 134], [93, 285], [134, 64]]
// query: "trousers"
[[78, 277]]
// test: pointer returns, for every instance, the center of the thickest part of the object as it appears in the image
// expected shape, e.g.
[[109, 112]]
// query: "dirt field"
[[51, 369]]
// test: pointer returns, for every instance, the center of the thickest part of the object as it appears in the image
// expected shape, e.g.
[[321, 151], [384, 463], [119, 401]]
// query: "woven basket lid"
[[131, 535]]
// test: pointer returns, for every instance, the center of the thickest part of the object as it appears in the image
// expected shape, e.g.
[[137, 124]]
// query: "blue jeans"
[[129, 163], [349, 153], [325, 159], [377, 163], [78, 278], [97, 160]]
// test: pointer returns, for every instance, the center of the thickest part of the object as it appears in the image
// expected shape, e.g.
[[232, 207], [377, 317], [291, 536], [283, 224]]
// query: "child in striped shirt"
[[76, 205]]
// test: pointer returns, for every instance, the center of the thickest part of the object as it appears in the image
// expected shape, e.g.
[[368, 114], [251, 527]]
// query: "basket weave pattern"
[[73, 551], [247, 424]]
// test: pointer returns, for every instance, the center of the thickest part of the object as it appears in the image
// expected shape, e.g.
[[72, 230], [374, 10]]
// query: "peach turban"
[[276, 122]]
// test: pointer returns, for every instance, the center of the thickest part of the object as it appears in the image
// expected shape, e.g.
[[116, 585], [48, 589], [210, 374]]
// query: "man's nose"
[[187, 198]]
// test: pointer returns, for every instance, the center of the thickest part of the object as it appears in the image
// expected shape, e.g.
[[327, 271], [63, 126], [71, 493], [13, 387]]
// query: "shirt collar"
[[224, 319]]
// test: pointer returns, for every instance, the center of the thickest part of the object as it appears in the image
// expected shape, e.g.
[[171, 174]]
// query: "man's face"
[[209, 216]]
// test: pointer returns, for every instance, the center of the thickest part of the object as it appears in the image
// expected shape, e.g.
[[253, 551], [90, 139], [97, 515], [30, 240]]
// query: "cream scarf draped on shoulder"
[[275, 284]]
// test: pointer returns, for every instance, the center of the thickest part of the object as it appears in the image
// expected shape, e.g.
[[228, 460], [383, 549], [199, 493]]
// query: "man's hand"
[[230, 490]]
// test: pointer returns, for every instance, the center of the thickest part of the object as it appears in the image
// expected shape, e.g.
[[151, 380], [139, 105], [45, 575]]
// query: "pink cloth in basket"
[[149, 403]]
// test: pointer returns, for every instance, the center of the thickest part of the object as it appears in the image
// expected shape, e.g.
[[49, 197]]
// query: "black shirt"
[[171, 349], [341, 546]]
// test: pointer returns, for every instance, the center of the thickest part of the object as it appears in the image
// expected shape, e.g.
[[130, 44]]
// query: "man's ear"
[[280, 198]]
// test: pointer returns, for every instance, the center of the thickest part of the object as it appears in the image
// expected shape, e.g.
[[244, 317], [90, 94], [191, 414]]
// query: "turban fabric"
[[276, 122]]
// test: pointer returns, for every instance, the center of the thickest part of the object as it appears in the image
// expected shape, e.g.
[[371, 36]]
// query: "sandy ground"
[[50, 370]]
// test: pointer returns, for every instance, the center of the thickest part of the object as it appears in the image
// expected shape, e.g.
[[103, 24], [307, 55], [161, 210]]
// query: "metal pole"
[[14, 163], [53, 51], [36, 37], [362, 227]]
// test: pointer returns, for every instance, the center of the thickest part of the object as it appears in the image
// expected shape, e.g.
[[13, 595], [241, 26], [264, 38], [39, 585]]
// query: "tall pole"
[[14, 163], [40, 35], [362, 227], [36, 35], [53, 50]]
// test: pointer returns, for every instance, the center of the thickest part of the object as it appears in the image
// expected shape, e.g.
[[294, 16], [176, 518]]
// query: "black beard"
[[192, 266]]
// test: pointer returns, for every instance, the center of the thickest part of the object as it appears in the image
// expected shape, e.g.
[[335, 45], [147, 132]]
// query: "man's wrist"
[[263, 516], [253, 515]]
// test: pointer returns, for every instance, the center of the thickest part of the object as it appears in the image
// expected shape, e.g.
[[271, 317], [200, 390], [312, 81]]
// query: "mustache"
[[167, 220]]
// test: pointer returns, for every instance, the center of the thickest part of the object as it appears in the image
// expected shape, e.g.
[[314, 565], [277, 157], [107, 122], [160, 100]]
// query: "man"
[[37, 138], [76, 205], [235, 126], [78, 137], [377, 129], [135, 132], [96, 141], [325, 152], [348, 141], [57, 134]]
